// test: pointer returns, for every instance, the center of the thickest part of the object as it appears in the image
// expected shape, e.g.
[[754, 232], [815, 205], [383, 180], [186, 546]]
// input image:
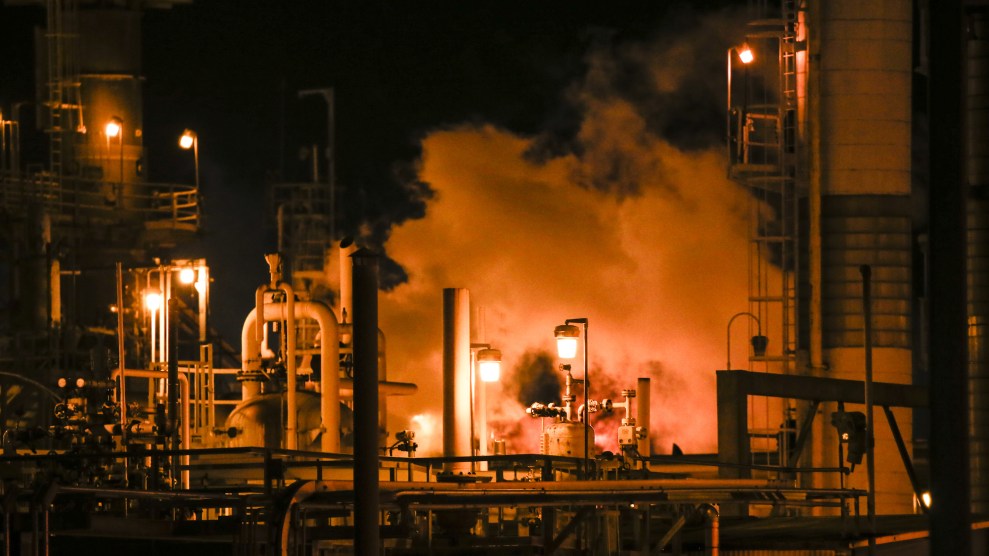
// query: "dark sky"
[[232, 70]]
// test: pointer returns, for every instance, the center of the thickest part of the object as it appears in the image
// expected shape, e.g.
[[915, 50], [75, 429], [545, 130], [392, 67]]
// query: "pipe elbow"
[[708, 512]]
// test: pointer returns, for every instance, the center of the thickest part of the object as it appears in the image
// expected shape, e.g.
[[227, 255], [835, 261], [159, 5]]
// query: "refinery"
[[841, 407]]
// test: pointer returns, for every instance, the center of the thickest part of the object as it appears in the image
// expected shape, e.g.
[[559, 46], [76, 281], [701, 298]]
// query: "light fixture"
[[566, 347], [489, 364], [152, 301], [187, 275], [759, 342], [114, 127], [566, 340], [745, 54], [190, 140]]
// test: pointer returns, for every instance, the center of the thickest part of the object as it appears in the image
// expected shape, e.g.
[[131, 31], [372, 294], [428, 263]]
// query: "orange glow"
[[188, 139], [114, 127], [152, 301], [187, 276], [745, 54]]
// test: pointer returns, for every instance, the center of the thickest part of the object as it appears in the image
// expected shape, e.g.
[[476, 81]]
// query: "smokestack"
[[365, 402], [456, 377]]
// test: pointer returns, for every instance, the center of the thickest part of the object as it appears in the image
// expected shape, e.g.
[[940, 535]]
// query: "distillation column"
[[864, 159]]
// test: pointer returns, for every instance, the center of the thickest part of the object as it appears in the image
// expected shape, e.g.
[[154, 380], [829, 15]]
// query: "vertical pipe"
[[120, 351], [456, 376], [291, 425], [365, 403], [643, 418], [870, 451], [950, 510], [173, 381], [977, 172], [347, 249]]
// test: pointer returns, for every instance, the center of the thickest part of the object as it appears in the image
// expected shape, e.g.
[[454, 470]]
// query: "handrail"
[[154, 203]]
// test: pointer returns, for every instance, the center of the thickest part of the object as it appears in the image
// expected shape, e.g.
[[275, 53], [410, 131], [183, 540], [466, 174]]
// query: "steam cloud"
[[644, 238]]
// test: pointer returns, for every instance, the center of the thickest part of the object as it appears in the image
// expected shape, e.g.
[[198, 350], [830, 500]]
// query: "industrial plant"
[[856, 424]]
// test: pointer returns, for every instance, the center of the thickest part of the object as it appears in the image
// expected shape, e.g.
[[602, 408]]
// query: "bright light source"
[[62, 382], [152, 301], [566, 340], [489, 363], [80, 382], [114, 127], [745, 54], [926, 498], [187, 276], [201, 283], [188, 139]]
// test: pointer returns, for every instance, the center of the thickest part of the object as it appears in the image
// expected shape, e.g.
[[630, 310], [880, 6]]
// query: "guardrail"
[[157, 204]]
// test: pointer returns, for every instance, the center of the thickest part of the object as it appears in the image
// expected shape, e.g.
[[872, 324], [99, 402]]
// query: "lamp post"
[[759, 342], [190, 140], [485, 368], [746, 56], [114, 129], [566, 345]]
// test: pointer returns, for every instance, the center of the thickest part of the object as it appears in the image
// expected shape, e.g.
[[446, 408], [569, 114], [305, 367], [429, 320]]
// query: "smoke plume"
[[643, 237]]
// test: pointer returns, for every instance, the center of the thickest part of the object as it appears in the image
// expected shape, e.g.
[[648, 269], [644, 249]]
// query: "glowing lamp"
[[926, 499], [114, 127], [187, 276], [489, 363], [152, 301], [566, 340], [745, 54], [188, 139]]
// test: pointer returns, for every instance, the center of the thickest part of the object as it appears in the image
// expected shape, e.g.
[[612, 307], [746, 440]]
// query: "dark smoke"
[[537, 380]]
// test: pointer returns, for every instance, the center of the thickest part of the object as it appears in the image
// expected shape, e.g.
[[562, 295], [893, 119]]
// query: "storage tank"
[[565, 438], [259, 422]]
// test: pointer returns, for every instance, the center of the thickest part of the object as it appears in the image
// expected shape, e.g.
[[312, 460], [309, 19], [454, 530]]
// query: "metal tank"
[[259, 422], [864, 121], [565, 438]]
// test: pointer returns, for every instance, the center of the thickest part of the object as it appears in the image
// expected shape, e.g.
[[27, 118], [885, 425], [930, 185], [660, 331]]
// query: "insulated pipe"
[[456, 377], [186, 433], [712, 529], [329, 356], [643, 418], [291, 425]]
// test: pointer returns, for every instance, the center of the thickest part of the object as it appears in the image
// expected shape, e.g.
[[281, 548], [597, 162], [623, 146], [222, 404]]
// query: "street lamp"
[[745, 54], [486, 367], [566, 346], [114, 129], [190, 140], [759, 342], [489, 364]]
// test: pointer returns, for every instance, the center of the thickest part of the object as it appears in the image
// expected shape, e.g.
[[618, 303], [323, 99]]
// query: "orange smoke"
[[657, 272]]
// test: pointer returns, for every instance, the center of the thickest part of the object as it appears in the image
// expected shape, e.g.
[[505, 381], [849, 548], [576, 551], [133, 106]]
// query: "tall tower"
[[820, 134], [73, 211]]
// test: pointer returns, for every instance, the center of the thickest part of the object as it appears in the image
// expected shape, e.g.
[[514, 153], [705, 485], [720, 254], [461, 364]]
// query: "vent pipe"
[[456, 377]]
